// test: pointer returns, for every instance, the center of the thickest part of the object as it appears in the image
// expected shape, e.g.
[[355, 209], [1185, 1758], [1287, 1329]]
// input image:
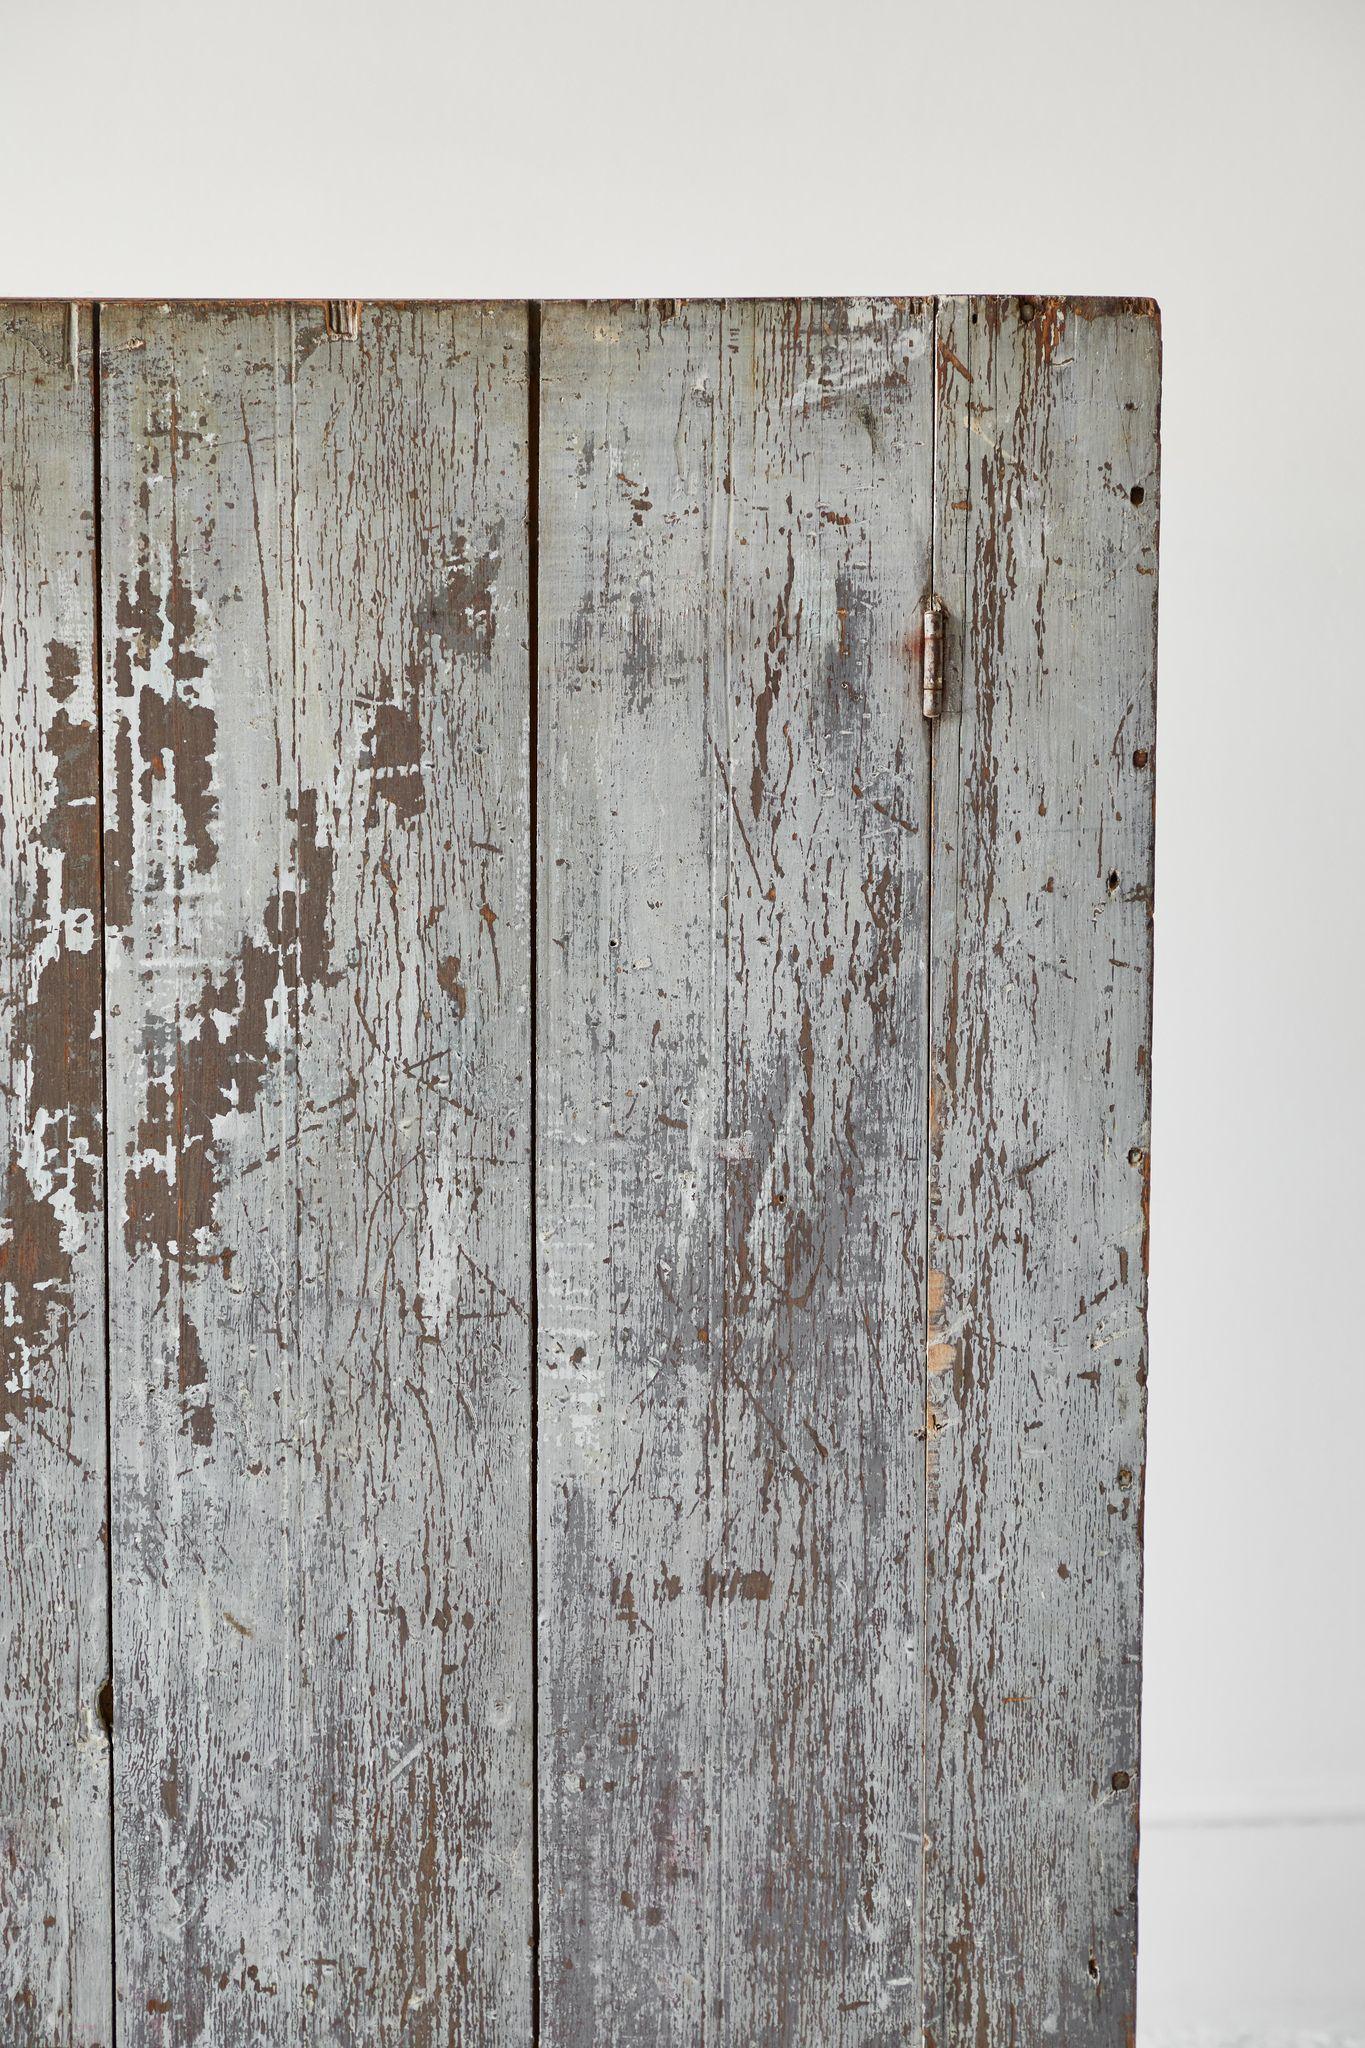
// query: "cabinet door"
[[843, 1093]]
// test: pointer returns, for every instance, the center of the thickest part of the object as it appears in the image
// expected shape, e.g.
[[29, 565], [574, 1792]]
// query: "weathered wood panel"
[[55, 1977], [754, 1486], [1041, 992], [315, 594], [735, 533]]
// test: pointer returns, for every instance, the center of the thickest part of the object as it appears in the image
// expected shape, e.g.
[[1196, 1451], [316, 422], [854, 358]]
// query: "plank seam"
[[927, 1039], [97, 610]]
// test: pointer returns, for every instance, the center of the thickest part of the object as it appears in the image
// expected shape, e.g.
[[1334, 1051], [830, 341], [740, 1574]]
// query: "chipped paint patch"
[[202, 1071], [52, 1184]]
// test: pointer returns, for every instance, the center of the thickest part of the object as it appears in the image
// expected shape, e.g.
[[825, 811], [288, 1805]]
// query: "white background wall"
[[1208, 154]]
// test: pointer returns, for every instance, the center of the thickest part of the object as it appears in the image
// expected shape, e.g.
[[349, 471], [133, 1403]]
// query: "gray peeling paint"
[[842, 1083], [316, 760]]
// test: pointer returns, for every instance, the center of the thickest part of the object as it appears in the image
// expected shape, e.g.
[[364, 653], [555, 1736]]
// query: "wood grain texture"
[[843, 1084], [315, 595], [1041, 1003], [735, 535], [55, 1978]]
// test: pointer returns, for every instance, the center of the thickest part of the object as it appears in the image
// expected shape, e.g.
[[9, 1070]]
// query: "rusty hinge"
[[935, 622]]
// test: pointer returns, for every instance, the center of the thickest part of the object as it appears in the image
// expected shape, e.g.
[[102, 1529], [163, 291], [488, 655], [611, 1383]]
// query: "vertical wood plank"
[[319, 949], [55, 1974], [735, 535], [1041, 1003]]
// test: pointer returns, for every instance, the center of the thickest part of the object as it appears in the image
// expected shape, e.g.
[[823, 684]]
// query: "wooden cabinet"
[[575, 1202]]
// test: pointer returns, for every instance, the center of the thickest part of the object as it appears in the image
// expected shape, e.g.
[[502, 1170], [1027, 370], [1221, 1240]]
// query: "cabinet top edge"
[[1086, 306]]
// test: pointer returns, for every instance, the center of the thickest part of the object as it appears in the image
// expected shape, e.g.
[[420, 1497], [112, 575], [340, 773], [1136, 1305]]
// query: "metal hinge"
[[935, 623]]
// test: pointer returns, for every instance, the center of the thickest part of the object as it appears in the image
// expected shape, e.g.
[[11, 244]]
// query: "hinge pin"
[[935, 622]]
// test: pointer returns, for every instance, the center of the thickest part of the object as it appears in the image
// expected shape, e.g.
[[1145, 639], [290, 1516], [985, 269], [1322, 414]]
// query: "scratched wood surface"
[[318, 946], [735, 530], [1041, 1004], [54, 1620], [843, 1086]]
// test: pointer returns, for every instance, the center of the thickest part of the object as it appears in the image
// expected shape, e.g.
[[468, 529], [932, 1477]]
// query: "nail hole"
[[1136, 495], [1120, 1781], [1113, 881], [1141, 757], [1135, 1155], [1125, 1481], [1094, 1969], [1026, 310]]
